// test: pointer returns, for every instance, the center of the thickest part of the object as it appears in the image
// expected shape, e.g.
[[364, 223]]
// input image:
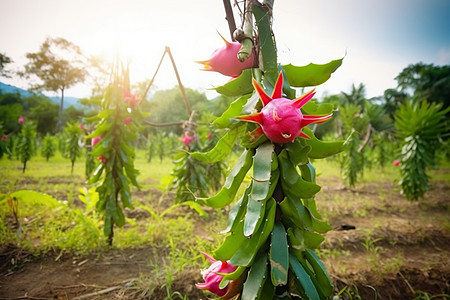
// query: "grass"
[[180, 231]]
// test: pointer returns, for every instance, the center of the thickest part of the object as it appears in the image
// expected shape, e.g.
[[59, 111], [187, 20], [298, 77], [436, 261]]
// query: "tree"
[[426, 82], [59, 64], [357, 95], [420, 126], [26, 146], [4, 60]]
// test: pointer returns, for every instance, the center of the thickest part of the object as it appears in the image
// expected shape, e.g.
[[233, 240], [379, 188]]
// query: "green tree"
[[45, 115], [48, 147], [357, 96], [4, 60], [426, 81], [73, 134], [58, 64], [26, 146], [420, 126]]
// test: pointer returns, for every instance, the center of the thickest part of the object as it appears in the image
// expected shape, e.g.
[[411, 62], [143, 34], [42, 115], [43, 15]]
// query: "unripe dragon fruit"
[[212, 279], [280, 119], [225, 60]]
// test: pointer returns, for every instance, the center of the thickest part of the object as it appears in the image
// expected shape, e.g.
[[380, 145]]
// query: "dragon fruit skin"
[[280, 119], [95, 140], [212, 279], [225, 60]]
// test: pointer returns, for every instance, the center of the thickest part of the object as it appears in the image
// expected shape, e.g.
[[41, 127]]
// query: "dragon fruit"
[[280, 119], [130, 98], [95, 140], [4, 137], [225, 60], [127, 121], [212, 279], [187, 139], [21, 120]]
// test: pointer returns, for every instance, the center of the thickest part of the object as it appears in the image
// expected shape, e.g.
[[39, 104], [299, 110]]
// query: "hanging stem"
[[230, 18]]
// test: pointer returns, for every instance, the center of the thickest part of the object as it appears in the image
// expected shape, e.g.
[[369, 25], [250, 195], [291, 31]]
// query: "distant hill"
[[10, 89]]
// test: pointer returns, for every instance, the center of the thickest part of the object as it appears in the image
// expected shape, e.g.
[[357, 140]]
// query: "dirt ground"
[[382, 247]]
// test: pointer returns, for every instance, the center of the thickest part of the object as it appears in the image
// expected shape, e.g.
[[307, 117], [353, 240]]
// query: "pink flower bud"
[[4, 137], [225, 60], [95, 140], [21, 120], [212, 279], [102, 159], [396, 162], [81, 126], [187, 139], [130, 98], [127, 121], [280, 119]]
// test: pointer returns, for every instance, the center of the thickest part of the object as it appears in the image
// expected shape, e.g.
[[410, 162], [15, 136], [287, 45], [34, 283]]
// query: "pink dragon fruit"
[[396, 162], [187, 139], [4, 137], [102, 159], [95, 140], [225, 60], [212, 279], [127, 121], [21, 120], [280, 119], [130, 98]]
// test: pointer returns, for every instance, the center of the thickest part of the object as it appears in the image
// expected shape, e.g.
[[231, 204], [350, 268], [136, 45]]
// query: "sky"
[[378, 38]]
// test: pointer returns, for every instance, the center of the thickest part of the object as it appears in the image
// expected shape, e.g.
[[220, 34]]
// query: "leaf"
[[255, 280], [246, 253], [311, 74], [293, 184], [253, 216], [35, 198], [232, 183], [231, 244], [235, 109], [313, 108], [238, 86], [303, 277], [267, 45], [298, 152], [262, 163], [321, 149], [234, 275], [279, 255], [321, 273], [296, 212], [222, 148], [237, 212]]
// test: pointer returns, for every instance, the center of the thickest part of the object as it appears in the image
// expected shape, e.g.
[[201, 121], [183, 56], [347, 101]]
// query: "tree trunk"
[[60, 115]]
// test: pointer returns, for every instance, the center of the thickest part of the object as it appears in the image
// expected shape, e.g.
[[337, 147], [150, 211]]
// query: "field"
[[382, 246]]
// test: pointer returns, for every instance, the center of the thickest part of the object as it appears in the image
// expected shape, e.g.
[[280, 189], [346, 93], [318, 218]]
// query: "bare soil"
[[382, 247]]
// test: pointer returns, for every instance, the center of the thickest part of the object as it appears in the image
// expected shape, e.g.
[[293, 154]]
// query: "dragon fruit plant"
[[117, 127], [274, 227]]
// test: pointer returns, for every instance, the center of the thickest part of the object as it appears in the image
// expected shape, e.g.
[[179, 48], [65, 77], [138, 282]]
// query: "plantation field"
[[381, 246]]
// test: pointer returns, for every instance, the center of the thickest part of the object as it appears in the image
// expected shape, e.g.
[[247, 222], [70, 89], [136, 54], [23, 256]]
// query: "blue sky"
[[379, 38]]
